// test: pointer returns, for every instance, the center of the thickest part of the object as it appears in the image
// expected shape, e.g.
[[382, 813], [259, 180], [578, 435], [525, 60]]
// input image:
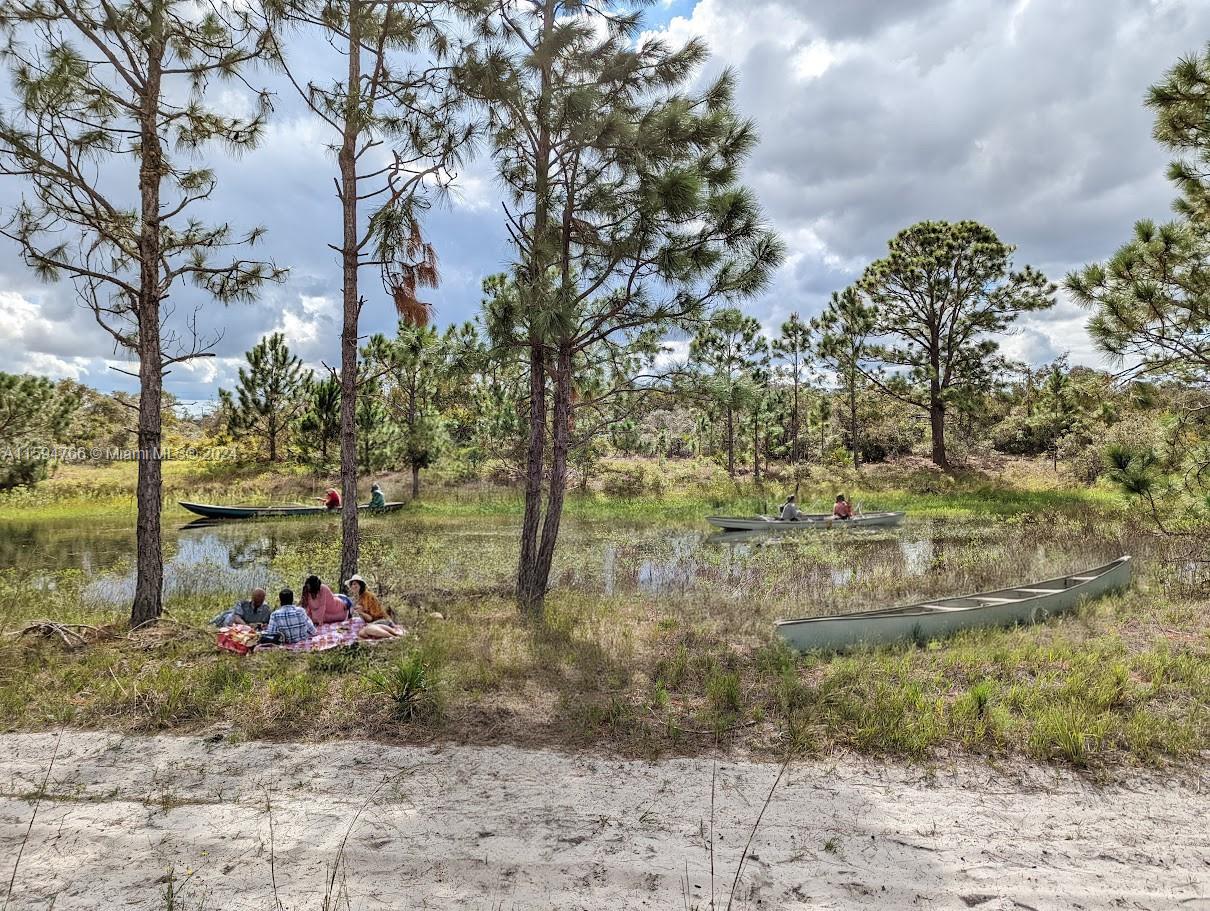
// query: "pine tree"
[[939, 295], [112, 88], [392, 114], [34, 414], [319, 423], [1149, 303], [624, 208], [792, 350], [842, 334], [268, 396], [413, 368], [730, 346]]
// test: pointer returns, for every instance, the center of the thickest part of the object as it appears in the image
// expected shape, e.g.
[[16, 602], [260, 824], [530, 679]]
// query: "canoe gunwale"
[[1112, 576]]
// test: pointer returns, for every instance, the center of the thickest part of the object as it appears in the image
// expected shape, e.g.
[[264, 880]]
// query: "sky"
[[1026, 115]]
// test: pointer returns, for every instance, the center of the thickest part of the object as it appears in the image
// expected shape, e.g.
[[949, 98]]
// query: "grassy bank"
[[634, 489], [671, 671]]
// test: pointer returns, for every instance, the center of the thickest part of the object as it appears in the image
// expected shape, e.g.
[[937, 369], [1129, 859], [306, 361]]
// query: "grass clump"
[[409, 687]]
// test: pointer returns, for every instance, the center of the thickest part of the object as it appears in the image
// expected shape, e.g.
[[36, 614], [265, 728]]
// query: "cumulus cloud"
[[873, 115], [1027, 116]]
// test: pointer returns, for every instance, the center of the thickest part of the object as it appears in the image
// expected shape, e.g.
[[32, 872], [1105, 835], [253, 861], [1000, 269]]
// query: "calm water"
[[840, 569]]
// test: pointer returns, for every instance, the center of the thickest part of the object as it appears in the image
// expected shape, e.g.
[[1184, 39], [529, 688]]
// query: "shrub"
[[409, 685]]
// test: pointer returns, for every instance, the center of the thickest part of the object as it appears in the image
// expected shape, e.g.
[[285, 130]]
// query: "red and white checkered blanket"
[[329, 635]]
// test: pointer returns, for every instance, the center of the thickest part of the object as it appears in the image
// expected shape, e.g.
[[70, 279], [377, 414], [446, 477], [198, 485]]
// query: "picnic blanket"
[[329, 635]]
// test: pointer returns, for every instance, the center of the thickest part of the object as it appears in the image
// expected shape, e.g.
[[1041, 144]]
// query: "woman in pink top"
[[320, 604]]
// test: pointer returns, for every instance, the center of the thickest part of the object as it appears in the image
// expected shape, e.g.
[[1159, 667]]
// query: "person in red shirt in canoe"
[[842, 509], [330, 500]]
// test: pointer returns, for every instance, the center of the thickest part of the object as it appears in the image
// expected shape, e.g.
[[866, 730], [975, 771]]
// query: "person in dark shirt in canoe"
[[378, 500]]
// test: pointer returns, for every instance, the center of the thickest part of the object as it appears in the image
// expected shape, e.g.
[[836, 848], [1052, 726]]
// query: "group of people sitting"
[[789, 511], [319, 605], [331, 500]]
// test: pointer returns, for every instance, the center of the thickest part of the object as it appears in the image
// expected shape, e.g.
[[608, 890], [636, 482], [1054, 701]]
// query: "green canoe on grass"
[[254, 512], [937, 617]]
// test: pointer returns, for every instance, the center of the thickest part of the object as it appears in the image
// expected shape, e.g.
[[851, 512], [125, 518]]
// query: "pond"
[[683, 562]]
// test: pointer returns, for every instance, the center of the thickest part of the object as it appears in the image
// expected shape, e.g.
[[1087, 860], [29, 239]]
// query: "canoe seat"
[[995, 600], [1040, 591], [941, 607], [1082, 578]]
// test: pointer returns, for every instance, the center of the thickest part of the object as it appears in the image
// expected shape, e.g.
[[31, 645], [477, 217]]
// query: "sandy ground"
[[504, 828]]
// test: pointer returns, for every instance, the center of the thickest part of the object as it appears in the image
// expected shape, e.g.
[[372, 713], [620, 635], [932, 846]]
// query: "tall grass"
[[656, 642]]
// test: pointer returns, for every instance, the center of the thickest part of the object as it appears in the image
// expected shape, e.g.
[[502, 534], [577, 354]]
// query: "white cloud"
[[1026, 116]]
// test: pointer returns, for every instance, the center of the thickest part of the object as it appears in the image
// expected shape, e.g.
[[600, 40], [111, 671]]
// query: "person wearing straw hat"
[[378, 622]]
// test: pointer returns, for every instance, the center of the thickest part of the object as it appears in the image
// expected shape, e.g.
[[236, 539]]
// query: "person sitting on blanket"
[[321, 605], [253, 612], [289, 623], [379, 622]]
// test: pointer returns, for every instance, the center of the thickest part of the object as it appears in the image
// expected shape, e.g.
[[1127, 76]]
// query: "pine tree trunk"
[[531, 582], [794, 431], [755, 449], [853, 422], [730, 441], [530, 593], [350, 533], [561, 435], [415, 482], [149, 561], [937, 425]]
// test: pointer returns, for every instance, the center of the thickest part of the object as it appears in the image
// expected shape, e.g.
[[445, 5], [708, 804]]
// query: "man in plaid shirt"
[[289, 623]]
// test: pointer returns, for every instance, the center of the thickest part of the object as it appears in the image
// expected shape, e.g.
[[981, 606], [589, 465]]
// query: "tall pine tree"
[[107, 91], [624, 208]]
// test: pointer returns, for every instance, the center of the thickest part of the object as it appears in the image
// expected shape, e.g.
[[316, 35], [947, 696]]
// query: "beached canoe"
[[1030, 603], [804, 522], [255, 512]]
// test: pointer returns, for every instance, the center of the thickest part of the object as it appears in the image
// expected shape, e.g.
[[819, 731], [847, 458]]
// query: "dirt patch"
[[505, 828]]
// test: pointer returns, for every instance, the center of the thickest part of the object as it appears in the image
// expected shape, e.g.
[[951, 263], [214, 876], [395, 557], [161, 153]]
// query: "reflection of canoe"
[[252, 512], [944, 616], [804, 522]]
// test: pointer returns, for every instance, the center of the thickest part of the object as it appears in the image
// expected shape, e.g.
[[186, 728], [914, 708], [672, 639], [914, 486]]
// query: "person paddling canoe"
[[331, 499], [788, 512], [842, 509]]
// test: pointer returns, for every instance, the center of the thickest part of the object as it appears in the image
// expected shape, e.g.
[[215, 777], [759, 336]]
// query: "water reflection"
[[827, 570]]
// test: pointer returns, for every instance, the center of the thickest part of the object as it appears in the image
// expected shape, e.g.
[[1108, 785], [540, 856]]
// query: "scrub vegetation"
[[658, 643]]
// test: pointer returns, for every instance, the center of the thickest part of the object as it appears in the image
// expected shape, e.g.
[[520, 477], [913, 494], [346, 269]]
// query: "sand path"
[[505, 828]]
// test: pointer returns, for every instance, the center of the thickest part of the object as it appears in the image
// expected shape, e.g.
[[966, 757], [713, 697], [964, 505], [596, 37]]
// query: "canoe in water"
[[805, 522], [252, 512], [1030, 603]]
